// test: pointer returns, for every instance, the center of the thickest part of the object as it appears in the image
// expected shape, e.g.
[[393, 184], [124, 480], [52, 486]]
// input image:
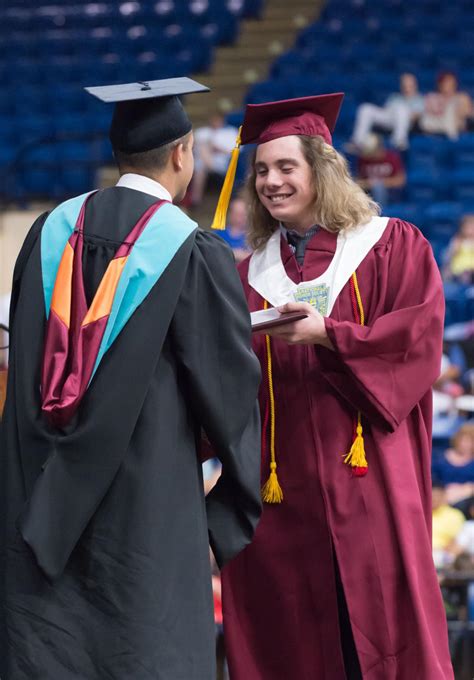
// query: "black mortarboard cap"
[[147, 114]]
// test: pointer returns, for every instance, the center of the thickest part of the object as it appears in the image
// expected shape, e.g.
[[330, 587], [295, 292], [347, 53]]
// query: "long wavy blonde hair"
[[339, 203]]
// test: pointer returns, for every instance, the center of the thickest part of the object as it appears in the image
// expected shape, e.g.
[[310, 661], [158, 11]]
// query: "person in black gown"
[[104, 552]]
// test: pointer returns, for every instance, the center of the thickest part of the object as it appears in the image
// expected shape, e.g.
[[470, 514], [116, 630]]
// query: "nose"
[[273, 179]]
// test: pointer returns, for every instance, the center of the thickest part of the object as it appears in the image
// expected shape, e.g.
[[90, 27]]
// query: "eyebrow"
[[280, 161]]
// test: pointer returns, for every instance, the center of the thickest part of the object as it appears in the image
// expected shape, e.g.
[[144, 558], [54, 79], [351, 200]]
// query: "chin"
[[282, 215], [279, 212]]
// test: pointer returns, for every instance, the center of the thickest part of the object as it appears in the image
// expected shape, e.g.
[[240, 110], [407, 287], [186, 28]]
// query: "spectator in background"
[[447, 525], [447, 386], [235, 233], [213, 144], [459, 266], [455, 469], [465, 539], [398, 115], [380, 171], [447, 110]]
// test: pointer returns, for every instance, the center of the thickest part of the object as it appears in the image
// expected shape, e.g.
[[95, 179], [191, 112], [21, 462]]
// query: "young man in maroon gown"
[[339, 581]]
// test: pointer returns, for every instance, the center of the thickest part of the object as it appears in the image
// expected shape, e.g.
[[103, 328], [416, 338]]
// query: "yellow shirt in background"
[[447, 523], [463, 260]]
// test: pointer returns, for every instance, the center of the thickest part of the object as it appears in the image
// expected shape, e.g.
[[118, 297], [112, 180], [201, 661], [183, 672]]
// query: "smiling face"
[[284, 182]]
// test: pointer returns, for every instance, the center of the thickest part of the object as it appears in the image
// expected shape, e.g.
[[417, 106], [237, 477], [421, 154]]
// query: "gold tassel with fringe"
[[271, 490], [356, 457], [220, 216]]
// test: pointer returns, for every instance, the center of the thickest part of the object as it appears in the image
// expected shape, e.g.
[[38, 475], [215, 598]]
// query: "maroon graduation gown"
[[280, 609]]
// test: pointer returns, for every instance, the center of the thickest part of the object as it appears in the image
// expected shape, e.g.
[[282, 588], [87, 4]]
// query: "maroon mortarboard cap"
[[311, 116]]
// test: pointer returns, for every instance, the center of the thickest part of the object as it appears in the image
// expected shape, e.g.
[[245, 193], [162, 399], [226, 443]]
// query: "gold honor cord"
[[356, 457], [271, 490]]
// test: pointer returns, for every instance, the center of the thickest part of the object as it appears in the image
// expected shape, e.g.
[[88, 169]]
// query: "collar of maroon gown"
[[318, 255]]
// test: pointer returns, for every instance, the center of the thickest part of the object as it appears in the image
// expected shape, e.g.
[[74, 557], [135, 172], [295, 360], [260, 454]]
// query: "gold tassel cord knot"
[[220, 216], [271, 490]]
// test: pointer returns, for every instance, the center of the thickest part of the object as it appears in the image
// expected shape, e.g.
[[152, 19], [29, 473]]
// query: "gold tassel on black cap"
[[220, 216]]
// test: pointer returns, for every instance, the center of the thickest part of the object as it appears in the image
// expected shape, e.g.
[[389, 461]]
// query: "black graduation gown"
[[104, 553]]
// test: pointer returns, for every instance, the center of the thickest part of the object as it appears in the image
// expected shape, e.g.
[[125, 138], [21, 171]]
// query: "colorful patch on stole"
[[74, 331], [317, 296]]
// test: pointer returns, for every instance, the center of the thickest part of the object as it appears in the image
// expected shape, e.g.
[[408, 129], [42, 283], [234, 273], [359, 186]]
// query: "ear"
[[177, 157]]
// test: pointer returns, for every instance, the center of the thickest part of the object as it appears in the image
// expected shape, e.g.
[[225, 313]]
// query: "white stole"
[[268, 277]]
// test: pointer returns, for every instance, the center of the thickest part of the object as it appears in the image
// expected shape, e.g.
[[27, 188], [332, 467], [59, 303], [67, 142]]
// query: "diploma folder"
[[268, 318]]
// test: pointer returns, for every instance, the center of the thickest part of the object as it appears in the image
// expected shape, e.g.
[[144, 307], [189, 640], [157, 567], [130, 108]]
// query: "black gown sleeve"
[[21, 261], [212, 338]]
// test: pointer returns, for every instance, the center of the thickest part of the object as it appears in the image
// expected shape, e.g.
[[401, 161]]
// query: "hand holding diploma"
[[264, 319], [297, 323]]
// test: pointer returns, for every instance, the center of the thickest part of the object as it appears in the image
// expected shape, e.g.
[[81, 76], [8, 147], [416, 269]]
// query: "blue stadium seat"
[[424, 186], [34, 127], [436, 146], [7, 153], [444, 210], [408, 57], [440, 231], [441, 220], [236, 118], [44, 155], [311, 35], [383, 79], [463, 189], [438, 247], [101, 151], [252, 8], [38, 182], [459, 307], [422, 160], [287, 65], [72, 152], [466, 141], [409, 212], [270, 90], [75, 179]]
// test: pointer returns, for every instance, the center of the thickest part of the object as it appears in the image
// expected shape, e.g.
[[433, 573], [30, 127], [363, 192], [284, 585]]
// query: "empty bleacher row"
[[50, 51]]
